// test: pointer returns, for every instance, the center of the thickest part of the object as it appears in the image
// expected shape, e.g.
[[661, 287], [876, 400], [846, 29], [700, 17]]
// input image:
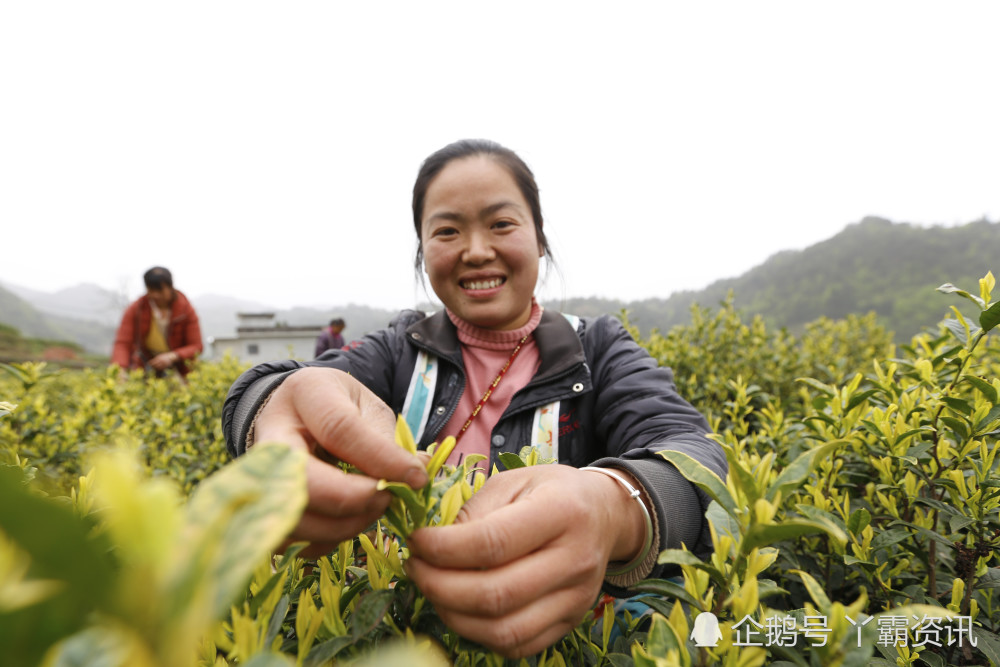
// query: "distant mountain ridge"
[[892, 269], [874, 265]]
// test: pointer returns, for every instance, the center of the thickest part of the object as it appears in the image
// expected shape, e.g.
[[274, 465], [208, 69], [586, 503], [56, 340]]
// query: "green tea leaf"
[[662, 638], [990, 579], [815, 513], [451, 503], [923, 532], [723, 522], [858, 399], [815, 591], [818, 386], [96, 646], [665, 588], [681, 557], [404, 437], [62, 549], [991, 416], [983, 386], [370, 612], [704, 478], [958, 405], [887, 538], [620, 660], [413, 499], [768, 588], [322, 654], [265, 590], [960, 427], [762, 535], [742, 478], [958, 328], [269, 660], [990, 317], [353, 591], [249, 506], [872, 428], [277, 618], [948, 288], [796, 472], [511, 461], [859, 520], [441, 454]]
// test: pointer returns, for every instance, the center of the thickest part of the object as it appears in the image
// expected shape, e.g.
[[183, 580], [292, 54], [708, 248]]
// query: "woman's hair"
[[464, 148]]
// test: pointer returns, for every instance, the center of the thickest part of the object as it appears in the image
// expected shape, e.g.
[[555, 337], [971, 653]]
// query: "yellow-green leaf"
[[451, 503], [404, 437], [441, 454]]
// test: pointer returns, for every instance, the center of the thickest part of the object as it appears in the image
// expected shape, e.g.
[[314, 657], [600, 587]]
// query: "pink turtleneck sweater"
[[484, 352]]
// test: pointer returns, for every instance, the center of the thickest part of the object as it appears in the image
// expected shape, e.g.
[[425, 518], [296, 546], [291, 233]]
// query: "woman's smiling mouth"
[[482, 284]]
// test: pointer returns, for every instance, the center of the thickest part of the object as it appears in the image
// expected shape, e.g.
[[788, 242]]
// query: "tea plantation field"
[[859, 524]]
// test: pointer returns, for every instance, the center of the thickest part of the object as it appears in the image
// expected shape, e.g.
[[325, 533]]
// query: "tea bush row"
[[859, 524]]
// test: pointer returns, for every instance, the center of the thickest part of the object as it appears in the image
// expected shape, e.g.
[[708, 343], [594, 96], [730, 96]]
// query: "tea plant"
[[859, 523], [127, 574]]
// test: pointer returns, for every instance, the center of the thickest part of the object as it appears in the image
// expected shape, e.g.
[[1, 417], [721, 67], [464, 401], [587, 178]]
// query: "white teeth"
[[483, 284]]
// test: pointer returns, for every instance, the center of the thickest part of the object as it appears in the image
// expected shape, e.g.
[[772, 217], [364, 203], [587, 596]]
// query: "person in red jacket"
[[158, 331]]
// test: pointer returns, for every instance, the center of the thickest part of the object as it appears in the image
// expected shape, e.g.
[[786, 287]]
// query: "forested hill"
[[875, 265]]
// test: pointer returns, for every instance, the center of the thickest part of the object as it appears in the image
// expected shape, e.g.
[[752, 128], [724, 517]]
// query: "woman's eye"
[[444, 231], [502, 224]]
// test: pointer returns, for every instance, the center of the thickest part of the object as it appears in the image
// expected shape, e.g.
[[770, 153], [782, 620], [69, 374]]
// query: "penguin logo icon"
[[706, 631]]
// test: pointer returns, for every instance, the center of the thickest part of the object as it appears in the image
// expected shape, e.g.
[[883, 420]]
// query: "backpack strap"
[[420, 393], [573, 320]]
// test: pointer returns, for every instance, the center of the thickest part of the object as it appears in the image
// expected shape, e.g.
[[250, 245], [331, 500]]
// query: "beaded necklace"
[[489, 390]]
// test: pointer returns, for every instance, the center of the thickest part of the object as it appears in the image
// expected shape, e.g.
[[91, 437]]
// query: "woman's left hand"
[[523, 563]]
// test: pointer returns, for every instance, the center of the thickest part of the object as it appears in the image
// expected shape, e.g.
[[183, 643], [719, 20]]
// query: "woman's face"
[[481, 251]]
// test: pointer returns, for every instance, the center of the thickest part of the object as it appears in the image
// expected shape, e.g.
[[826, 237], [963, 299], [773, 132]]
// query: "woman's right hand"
[[335, 418]]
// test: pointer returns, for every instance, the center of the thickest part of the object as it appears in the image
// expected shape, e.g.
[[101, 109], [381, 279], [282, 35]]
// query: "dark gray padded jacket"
[[616, 407]]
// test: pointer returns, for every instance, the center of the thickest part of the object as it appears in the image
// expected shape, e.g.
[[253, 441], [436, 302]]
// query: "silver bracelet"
[[648, 543]]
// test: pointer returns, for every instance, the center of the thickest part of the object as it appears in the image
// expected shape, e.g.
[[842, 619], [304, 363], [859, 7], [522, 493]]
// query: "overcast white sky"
[[267, 150]]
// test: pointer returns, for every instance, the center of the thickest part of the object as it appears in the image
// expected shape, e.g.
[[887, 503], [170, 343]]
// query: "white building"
[[259, 338]]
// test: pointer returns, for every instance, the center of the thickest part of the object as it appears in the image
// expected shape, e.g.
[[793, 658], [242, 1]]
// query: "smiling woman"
[[480, 248], [530, 553]]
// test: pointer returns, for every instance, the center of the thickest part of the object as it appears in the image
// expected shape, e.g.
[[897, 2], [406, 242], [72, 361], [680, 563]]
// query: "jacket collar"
[[179, 307], [559, 347]]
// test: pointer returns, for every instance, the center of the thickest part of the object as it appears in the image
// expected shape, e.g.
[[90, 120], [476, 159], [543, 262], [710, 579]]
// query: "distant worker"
[[330, 339], [159, 331]]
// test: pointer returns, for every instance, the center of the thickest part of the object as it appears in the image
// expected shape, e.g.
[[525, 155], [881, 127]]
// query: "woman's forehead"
[[474, 179]]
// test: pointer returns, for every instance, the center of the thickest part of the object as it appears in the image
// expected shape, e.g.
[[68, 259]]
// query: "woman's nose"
[[478, 249]]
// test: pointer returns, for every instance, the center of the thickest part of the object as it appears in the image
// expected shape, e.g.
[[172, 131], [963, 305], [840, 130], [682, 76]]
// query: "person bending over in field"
[[530, 553], [159, 331]]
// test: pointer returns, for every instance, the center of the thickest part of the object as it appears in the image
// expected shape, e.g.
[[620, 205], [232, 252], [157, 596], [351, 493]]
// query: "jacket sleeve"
[[639, 414], [121, 351], [371, 362]]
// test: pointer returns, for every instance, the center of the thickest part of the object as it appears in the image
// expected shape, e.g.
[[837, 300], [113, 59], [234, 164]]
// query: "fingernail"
[[416, 477]]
